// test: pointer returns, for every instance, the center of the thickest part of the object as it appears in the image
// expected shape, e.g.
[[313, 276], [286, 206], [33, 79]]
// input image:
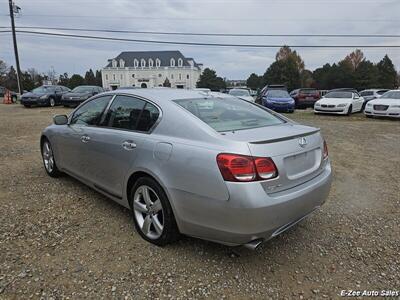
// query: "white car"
[[339, 102], [242, 94], [388, 105]]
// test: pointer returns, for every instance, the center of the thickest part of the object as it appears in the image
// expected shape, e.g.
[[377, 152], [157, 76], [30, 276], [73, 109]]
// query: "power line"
[[64, 35], [211, 34]]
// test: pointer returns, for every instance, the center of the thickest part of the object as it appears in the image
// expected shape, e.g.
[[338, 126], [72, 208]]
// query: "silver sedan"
[[220, 169]]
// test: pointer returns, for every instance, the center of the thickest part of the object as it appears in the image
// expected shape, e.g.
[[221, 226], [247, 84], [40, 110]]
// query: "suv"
[[14, 95], [305, 97], [263, 92], [45, 95]]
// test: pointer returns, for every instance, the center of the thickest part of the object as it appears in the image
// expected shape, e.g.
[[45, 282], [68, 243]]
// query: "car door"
[[357, 102], [115, 145], [73, 140]]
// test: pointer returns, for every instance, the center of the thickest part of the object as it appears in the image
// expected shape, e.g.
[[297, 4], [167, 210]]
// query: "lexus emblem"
[[303, 142]]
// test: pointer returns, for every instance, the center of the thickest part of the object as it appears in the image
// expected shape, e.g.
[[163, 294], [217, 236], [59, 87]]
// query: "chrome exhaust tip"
[[253, 245]]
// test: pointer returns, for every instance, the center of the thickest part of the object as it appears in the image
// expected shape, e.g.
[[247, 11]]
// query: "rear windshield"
[[339, 95], [391, 95], [229, 114]]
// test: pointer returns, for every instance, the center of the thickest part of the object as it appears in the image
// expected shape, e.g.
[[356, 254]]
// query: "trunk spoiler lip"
[[286, 138]]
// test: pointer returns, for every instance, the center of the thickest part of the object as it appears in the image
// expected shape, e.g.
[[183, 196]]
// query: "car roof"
[[161, 94]]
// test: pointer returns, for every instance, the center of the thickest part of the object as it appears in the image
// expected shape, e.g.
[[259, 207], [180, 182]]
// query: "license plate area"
[[302, 164]]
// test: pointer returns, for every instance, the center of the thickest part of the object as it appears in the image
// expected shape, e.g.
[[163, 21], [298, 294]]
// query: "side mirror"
[[60, 120]]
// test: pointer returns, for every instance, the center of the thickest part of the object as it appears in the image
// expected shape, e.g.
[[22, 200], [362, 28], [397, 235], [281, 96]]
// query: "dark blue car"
[[278, 100]]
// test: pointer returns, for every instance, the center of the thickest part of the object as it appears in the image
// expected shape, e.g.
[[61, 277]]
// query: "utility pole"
[[15, 44]]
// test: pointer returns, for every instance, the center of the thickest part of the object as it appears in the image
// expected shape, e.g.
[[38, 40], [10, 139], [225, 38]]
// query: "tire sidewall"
[[349, 111], [55, 172], [50, 102], [170, 231]]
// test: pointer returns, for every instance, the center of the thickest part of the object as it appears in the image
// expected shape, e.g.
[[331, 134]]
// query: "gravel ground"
[[60, 239]]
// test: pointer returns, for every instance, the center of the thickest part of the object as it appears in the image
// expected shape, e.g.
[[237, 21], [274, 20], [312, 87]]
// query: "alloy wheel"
[[48, 157], [148, 212], [52, 102]]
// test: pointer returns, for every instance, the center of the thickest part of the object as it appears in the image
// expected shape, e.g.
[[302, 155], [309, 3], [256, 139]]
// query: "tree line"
[[31, 78], [354, 71]]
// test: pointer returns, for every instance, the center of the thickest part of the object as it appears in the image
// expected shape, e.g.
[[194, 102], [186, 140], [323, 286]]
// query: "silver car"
[[220, 169]]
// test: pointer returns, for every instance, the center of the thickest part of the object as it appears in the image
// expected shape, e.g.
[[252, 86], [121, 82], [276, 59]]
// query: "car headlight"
[[395, 106], [44, 97], [317, 104], [342, 105], [369, 104]]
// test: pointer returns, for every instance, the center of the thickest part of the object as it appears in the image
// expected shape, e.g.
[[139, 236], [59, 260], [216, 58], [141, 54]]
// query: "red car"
[[305, 97]]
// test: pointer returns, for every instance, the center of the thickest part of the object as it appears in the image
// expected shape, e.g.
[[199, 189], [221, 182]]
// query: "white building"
[[151, 69]]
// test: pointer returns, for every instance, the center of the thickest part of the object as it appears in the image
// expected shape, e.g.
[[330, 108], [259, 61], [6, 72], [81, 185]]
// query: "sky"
[[200, 16]]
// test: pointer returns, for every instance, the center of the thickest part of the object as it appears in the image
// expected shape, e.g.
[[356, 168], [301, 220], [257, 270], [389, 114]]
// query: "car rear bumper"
[[250, 213]]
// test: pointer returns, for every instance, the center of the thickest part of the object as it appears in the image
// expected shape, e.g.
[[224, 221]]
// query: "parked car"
[[305, 97], [242, 94], [45, 95], [265, 89], [388, 105], [372, 94], [343, 102], [80, 94], [278, 100], [224, 170], [14, 95]]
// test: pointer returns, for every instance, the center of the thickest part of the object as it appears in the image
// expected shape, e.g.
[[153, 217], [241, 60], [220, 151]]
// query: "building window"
[[180, 62], [158, 63], [106, 77], [180, 76], [121, 63], [172, 62], [187, 76], [114, 76], [114, 63], [122, 76], [143, 63], [160, 75], [133, 75], [150, 63], [135, 63], [172, 76]]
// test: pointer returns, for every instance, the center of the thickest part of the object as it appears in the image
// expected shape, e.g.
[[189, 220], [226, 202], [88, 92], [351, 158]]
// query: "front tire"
[[52, 102], [152, 213], [349, 111], [48, 159]]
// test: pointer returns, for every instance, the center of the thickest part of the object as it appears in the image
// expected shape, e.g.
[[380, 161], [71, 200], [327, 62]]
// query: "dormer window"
[[158, 63], [135, 63], [172, 62], [114, 63], [121, 63], [143, 63], [180, 62], [150, 63]]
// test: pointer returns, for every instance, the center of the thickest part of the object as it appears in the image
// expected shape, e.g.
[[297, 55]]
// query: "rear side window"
[[131, 113], [90, 113], [229, 114]]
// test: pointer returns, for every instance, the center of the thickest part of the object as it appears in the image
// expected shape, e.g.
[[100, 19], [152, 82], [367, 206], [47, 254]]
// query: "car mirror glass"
[[60, 120]]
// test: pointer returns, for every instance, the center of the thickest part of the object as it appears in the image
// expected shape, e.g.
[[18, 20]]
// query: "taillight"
[[325, 154], [235, 167]]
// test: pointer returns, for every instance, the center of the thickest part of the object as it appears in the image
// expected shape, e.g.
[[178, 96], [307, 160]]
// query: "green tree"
[[387, 75], [90, 79], [209, 79], [166, 83], [283, 71], [27, 81], [254, 82], [366, 76], [63, 79], [285, 53], [76, 80], [10, 81], [99, 81]]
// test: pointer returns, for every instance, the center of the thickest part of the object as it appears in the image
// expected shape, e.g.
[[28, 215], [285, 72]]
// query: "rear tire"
[[152, 213]]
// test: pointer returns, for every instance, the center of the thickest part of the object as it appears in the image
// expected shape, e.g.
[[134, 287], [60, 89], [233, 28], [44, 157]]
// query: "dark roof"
[[163, 56]]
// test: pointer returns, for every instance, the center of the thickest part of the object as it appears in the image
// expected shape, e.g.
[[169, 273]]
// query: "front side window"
[[90, 113], [131, 113], [229, 114]]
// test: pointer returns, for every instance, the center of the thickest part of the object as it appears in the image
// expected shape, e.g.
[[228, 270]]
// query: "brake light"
[[235, 167], [325, 153]]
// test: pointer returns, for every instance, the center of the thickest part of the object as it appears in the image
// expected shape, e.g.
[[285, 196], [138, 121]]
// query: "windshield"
[[278, 94], [239, 93], [391, 95], [83, 89], [339, 95], [229, 114], [44, 89]]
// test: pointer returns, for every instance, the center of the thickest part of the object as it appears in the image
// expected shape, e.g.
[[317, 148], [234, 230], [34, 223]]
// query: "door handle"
[[128, 145], [85, 138]]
